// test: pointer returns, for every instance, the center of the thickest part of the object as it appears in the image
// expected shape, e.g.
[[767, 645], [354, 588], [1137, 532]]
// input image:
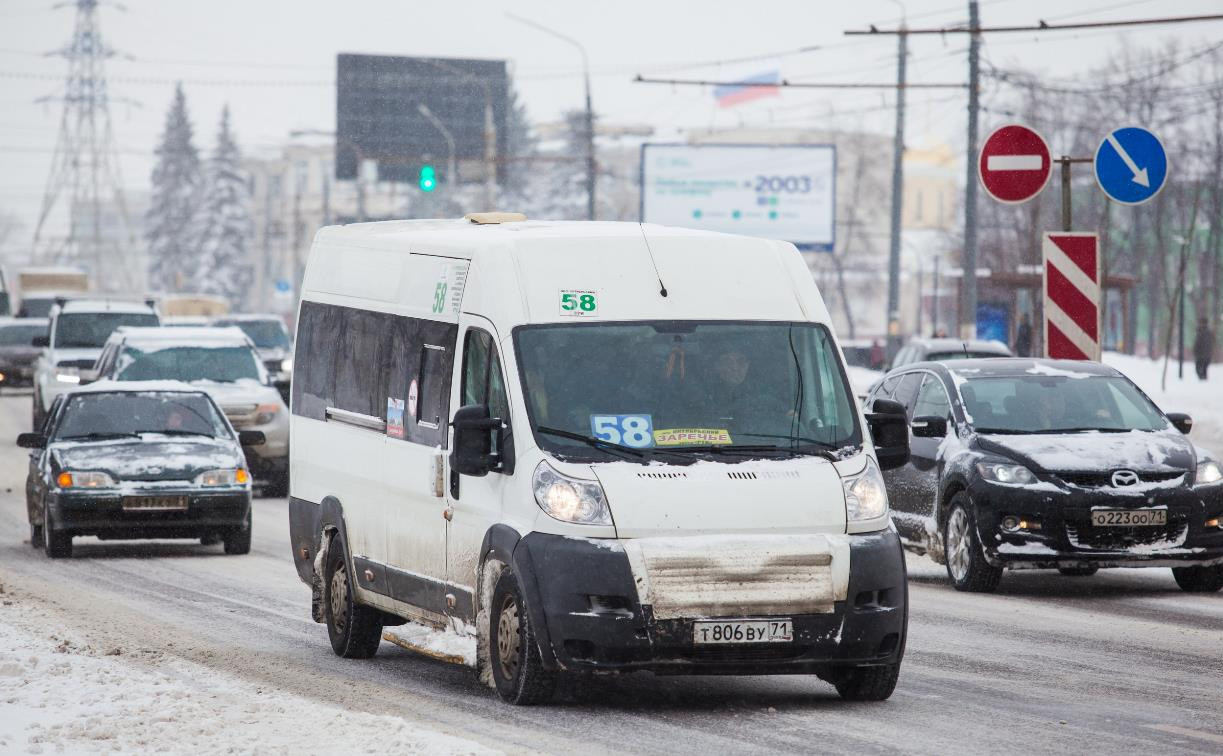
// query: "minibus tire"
[[1199, 579], [357, 631], [960, 532], [521, 680], [868, 683]]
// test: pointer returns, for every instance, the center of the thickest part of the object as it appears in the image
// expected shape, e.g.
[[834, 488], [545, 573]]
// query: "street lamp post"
[[590, 118]]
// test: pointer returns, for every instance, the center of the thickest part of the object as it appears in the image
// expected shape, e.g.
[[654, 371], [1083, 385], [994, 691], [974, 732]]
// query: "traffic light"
[[428, 178]]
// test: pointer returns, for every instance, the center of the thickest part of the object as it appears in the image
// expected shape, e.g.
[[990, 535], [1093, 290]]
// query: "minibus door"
[[475, 502]]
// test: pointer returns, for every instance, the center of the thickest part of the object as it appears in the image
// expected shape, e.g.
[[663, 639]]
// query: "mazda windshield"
[[1058, 404], [666, 389]]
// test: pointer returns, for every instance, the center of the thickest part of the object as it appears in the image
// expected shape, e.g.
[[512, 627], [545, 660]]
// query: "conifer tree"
[[223, 228], [175, 194]]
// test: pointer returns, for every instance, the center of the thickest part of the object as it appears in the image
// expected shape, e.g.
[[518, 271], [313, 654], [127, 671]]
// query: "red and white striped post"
[[1072, 295]]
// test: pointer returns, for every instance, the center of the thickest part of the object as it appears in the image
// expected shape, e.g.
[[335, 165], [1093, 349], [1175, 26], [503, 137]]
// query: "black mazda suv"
[[1043, 464]]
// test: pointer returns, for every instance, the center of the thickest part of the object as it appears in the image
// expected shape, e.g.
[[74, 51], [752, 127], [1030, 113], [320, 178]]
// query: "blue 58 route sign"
[[1131, 165]]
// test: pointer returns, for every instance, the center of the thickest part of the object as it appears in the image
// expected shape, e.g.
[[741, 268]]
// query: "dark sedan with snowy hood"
[[1018, 463], [134, 460]]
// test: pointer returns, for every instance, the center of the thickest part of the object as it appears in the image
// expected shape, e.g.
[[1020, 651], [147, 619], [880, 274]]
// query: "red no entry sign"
[[1014, 164]]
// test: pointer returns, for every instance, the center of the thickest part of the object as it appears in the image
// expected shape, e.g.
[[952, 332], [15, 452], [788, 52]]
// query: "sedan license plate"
[[1128, 518], [743, 631], [154, 503]]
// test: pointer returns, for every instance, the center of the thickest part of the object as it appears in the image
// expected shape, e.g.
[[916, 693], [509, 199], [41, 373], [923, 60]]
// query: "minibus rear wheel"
[[513, 650], [355, 630]]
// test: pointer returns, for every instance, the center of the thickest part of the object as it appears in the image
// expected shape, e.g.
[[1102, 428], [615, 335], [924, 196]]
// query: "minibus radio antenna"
[[662, 287]]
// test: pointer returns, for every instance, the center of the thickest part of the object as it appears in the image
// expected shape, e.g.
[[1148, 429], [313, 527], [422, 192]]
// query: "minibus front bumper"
[[583, 600]]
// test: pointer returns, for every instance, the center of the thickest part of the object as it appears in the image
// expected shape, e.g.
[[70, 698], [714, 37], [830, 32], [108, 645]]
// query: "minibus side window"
[[360, 376], [432, 380], [319, 330]]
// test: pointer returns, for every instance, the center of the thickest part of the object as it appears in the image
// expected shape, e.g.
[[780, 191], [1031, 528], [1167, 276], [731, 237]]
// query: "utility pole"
[[898, 150], [84, 169], [968, 284]]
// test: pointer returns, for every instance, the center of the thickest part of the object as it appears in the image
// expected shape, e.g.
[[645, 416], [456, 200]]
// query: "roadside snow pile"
[[1202, 400], [57, 696]]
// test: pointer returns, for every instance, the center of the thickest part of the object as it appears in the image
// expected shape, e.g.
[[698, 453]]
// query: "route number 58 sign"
[[579, 302]]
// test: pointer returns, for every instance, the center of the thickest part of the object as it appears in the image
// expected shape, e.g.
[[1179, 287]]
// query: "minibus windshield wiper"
[[826, 450], [599, 443], [740, 449]]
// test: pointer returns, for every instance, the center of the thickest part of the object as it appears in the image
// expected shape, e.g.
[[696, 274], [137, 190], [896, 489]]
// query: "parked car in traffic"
[[77, 330], [17, 351], [603, 447], [1020, 463], [271, 339], [221, 361], [131, 460]]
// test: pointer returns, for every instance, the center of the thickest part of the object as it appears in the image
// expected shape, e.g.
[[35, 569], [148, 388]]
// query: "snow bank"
[[1202, 400], [57, 696], [444, 645]]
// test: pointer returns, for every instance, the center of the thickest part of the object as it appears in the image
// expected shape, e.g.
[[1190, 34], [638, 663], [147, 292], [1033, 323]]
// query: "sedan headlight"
[[866, 498], [1208, 472], [569, 499], [67, 375], [1007, 475], [236, 477], [266, 413], [70, 479]]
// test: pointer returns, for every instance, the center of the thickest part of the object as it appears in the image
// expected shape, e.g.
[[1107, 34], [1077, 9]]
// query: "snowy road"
[[1122, 662]]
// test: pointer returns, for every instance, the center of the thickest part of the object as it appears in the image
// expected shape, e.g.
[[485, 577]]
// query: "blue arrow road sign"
[[1131, 165]]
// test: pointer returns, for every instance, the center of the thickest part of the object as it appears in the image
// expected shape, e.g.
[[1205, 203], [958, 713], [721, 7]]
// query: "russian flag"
[[748, 89]]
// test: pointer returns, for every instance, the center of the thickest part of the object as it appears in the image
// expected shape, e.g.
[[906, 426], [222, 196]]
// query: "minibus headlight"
[[1208, 473], [69, 479], [865, 495], [569, 499]]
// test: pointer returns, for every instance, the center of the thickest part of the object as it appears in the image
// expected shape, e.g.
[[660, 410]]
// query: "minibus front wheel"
[[513, 649]]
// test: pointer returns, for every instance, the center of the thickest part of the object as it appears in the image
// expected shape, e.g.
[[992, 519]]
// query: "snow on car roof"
[[1000, 367], [163, 337], [7, 321], [249, 317], [104, 305], [135, 387]]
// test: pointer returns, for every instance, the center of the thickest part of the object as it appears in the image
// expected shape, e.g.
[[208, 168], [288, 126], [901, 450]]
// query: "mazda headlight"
[[569, 499], [866, 498], [286, 365], [235, 477], [1208, 473], [70, 479], [1007, 475], [266, 413]]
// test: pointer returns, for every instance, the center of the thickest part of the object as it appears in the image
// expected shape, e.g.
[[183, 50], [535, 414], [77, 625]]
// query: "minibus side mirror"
[[41, 341], [1181, 422], [473, 441], [890, 433], [929, 426], [31, 440]]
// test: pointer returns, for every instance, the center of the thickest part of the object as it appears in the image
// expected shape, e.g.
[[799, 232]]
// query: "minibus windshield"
[[688, 387]]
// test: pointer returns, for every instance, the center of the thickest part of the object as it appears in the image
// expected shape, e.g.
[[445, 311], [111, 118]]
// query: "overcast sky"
[[273, 61]]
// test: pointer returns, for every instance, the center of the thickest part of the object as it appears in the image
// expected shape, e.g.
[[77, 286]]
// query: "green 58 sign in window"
[[579, 302]]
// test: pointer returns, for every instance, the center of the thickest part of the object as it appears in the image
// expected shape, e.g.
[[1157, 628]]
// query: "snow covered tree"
[[222, 231], [176, 183]]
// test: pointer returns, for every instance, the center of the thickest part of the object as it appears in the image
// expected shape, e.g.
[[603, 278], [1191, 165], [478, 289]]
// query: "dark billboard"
[[378, 115]]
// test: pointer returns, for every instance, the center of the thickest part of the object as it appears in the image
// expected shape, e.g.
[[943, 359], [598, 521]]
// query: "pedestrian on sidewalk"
[[1023, 337], [1203, 348]]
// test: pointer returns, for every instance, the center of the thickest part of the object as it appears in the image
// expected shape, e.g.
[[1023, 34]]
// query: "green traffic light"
[[428, 178]]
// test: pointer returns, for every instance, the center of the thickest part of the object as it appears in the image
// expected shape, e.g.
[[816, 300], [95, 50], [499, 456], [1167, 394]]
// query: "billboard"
[[783, 192], [378, 114]]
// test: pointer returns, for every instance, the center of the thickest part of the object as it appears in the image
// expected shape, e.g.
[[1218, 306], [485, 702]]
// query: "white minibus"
[[595, 447]]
